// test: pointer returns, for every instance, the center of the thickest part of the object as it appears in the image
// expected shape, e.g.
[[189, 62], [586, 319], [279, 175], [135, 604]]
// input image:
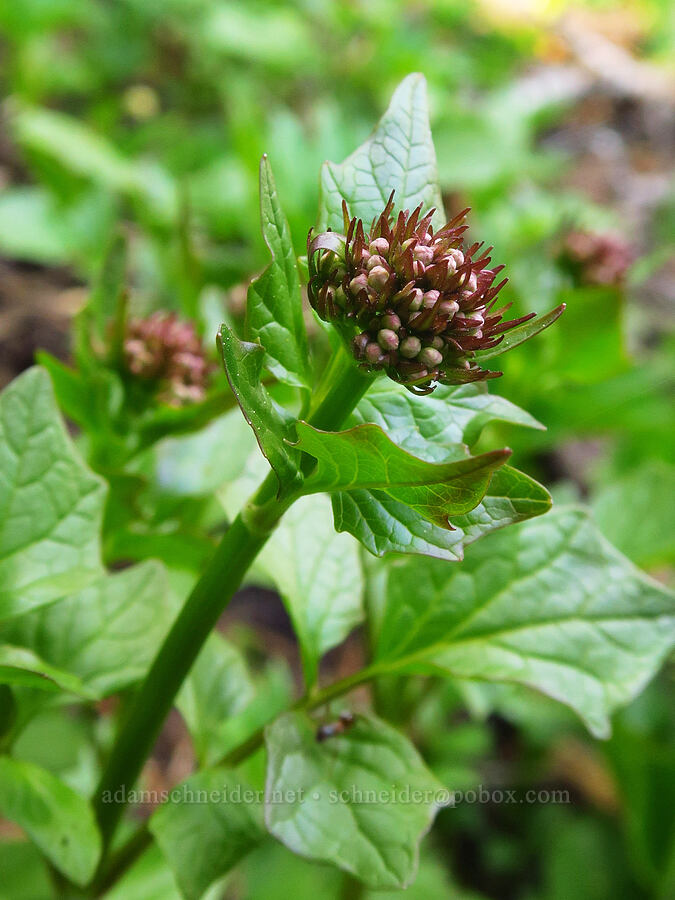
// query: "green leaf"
[[194, 465], [432, 426], [19, 665], [75, 148], [107, 634], [522, 333], [274, 304], [60, 821], [318, 574], [206, 828], [364, 457], [106, 303], [384, 525], [149, 878], [24, 872], [32, 226], [218, 687], [92, 401], [272, 425], [398, 156], [51, 504], [549, 604], [644, 496], [361, 800]]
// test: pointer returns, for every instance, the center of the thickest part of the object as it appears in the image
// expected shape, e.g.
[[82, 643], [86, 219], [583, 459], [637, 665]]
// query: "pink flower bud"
[[378, 278], [410, 347], [379, 246]]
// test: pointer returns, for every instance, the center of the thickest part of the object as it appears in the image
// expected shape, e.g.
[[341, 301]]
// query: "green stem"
[[339, 391]]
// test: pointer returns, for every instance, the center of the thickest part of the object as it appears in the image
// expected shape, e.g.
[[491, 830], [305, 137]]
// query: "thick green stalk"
[[337, 394]]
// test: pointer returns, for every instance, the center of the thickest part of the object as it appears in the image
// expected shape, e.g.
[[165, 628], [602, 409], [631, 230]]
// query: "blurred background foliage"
[[550, 119]]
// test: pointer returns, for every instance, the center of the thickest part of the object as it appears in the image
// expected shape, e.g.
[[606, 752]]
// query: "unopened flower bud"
[[457, 255], [437, 342], [391, 320], [417, 300], [430, 357], [410, 347], [378, 277], [373, 353], [448, 308], [471, 283], [358, 284], [375, 261], [387, 339], [360, 343], [430, 299], [379, 246], [423, 254]]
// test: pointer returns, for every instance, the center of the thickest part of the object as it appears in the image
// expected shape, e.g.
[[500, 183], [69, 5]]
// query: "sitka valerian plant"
[[383, 409]]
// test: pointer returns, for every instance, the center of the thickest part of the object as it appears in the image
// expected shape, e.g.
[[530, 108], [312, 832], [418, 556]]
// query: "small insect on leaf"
[[332, 729]]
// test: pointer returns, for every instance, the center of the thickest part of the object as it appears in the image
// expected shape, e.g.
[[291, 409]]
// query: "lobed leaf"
[[364, 457], [384, 525]]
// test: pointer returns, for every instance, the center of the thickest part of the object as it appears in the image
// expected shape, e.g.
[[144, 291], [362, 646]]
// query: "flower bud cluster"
[[601, 259], [415, 302], [163, 349]]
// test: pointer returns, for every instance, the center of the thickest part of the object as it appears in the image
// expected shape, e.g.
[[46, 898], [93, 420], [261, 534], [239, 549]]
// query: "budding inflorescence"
[[597, 259], [166, 351], [415, 303]]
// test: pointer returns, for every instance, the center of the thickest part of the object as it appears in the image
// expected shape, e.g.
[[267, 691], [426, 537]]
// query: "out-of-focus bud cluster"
[[593, 258], [165, 350], [415, 302]]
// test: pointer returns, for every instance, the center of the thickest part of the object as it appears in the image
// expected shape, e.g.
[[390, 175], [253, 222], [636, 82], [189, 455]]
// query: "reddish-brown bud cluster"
[[600, 259], [163, 349], [416, 302]]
